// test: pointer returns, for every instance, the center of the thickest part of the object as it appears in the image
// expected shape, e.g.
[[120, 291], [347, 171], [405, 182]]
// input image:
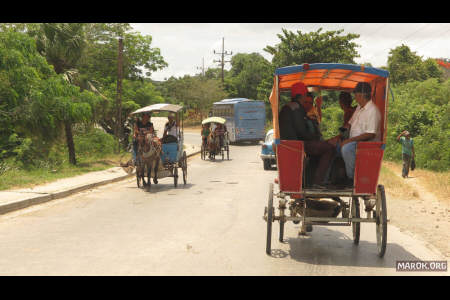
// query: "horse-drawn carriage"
[[313, 206], [215, 143], [158, 159]]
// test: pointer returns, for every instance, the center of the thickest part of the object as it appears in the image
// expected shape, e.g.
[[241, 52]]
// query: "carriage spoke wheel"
[[381, 220], [356, 226], [270, 211], [184, 164], [175, 176], [282, 221]]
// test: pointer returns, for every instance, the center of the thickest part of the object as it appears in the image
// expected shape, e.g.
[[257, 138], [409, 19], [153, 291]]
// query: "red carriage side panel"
[[369, 156], [290, 156]]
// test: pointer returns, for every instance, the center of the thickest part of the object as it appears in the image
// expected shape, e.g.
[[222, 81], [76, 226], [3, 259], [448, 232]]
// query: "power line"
[[427, 42], [402, 39]]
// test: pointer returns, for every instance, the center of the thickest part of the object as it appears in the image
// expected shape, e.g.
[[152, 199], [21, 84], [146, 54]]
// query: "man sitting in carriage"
[[293, 126], [219, 133], [364, 126], [171, 129]]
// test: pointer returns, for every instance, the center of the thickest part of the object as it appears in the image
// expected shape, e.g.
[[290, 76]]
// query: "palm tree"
[[62, 44]]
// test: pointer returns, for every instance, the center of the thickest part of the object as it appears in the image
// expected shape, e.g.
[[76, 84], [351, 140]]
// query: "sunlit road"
[[211, 226]]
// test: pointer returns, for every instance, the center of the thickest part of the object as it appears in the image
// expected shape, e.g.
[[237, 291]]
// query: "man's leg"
[[349, 155], [406, 163], [326, 152], [134, 151]]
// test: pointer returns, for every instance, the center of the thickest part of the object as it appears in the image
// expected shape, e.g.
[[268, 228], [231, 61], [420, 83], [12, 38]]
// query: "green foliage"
[[422, 108], [94, 143], [100, 56], [246, 73], [313, 47], [405, 65]]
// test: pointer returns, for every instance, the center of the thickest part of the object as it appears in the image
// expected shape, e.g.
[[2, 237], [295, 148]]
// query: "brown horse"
[[213, 145], [148, 157]]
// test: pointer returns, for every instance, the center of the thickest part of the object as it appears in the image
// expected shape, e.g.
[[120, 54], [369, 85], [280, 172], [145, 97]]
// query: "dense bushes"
[[423, 109]]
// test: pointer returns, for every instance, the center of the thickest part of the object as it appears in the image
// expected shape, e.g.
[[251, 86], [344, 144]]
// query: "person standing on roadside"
[[407, 151]]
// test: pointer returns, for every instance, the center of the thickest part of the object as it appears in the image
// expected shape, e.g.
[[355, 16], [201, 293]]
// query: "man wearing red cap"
[[292, 122]]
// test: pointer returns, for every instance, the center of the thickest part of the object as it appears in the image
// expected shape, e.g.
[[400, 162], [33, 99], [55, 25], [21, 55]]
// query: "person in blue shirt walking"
[[407, 151]]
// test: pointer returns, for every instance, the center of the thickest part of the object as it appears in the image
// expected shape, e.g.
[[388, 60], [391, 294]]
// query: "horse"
[[148, 156], [213, 144]]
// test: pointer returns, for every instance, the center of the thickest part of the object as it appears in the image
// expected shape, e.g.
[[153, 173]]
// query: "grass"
[[437, 183], [395, 185], [19, 178]]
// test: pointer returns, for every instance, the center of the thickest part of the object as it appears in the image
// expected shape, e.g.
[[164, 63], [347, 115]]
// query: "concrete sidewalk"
[[11, 200]]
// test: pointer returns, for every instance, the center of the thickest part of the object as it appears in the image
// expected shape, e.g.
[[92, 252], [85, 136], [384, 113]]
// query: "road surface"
[[211, 226]]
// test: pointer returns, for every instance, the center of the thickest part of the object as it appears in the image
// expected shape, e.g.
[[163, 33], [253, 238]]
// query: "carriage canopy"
[[214, 120], [159, 107], [330, 76]]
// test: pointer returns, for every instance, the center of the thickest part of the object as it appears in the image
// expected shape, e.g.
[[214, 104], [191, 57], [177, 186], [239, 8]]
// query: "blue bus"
[[246, 118]]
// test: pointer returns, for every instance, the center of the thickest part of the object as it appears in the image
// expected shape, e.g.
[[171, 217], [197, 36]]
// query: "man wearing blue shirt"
[[407, 151]]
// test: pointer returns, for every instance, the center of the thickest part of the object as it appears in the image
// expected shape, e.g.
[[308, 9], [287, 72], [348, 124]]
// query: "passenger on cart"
[[364, 126], [219, 132], [293, 126], [171, 129], [206, 130], [138, 126]]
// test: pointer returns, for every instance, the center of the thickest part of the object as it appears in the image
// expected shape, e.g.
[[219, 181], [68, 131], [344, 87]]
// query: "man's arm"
[[400, 135], [301, 129], [359, 138]]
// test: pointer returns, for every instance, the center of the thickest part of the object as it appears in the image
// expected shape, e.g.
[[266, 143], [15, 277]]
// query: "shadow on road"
[[329, 247]]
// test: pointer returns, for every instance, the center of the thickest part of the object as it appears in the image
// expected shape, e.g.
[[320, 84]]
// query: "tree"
[[313, 47], [62, 44], [246, 73], [405, 65], [35, 101], [101, 53]]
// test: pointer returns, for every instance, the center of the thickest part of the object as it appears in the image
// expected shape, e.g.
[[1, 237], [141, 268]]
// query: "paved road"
[[211, 226]]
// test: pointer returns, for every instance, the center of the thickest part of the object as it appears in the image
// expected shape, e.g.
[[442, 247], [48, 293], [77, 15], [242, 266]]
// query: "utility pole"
[[223, 53], [202, 67], [119, 93]]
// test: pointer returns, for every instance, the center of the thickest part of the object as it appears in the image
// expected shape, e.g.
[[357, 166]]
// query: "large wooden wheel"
[[356, 226], [381, 220], [270, 210]]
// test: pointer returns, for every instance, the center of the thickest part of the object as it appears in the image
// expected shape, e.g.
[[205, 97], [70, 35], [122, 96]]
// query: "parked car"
[[267, 153]]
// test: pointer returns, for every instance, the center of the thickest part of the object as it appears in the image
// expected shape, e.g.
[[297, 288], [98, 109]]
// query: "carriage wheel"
[[184, 167], [381, 220], [356, 226], [175, 176], [270, 211], [282, 228]]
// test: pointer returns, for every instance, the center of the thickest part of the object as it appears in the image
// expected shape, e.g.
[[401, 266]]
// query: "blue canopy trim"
[[328, 66]]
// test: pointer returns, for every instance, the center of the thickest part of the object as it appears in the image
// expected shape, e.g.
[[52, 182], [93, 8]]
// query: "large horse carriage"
[[215, 144], [157, 159], [322, 206]]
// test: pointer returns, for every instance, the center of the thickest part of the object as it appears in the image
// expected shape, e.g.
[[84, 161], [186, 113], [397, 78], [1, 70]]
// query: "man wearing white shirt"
[[171, 129], [364, 126]]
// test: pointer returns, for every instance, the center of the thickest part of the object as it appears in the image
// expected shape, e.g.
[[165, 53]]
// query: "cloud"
[[184, 44]]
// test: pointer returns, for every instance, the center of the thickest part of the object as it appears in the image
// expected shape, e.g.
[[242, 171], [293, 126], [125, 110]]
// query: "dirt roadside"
[[418, 211]]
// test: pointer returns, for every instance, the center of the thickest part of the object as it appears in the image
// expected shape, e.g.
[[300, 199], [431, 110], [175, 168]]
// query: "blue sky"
[[183, 45]]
